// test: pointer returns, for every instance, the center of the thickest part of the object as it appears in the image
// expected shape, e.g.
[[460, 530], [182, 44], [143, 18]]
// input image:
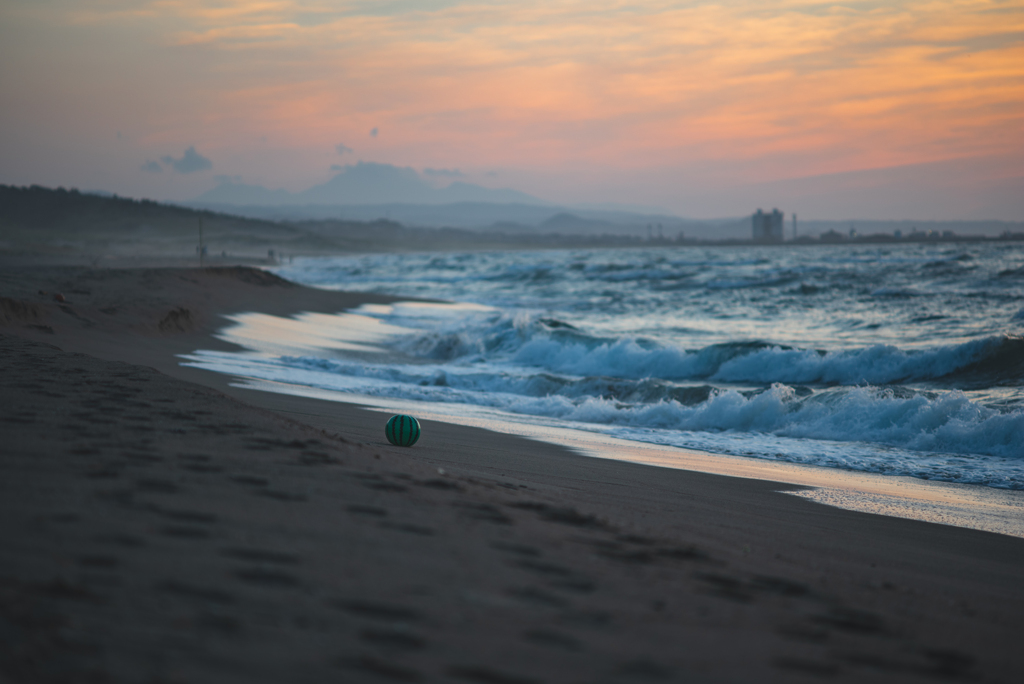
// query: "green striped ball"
[[402, 430]]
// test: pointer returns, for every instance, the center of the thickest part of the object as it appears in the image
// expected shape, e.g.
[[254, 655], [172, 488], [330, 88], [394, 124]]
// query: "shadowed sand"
[[158, 524]]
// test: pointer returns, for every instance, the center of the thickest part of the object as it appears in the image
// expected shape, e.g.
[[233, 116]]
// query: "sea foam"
[[904, 359]]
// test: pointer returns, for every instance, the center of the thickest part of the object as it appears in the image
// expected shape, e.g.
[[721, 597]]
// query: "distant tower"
[[794, 225], [767, 227]]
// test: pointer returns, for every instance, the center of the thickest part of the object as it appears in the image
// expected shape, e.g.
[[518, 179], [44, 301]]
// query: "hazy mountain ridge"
[[364, 183], [368, 191], [36, 219], [482, 216], [77, 226]]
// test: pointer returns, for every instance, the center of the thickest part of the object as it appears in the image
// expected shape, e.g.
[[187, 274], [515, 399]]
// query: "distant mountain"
[[460, 192], [72, 227], [571, 223], [367, 183], [364, 183], [514, 217], [239, 193]]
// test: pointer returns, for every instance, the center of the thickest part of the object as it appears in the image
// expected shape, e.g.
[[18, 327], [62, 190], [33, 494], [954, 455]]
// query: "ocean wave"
[[533, 342], [988, 360], [947, 423], [859, 351], [544, 341], [932, 422], [511, 381], [742, 283], [1011, 273], [895, 292], [920, 421]]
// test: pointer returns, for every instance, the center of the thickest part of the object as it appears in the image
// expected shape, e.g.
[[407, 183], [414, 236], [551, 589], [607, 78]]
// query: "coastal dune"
[[160, 524]]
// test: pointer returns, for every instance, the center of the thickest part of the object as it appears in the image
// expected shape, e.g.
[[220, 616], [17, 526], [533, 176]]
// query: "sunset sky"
[[837, 110]]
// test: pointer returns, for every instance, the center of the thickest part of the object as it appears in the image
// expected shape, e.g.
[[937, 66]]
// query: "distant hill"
[[71, 213], [571, 223], [75, 227], [58, 221], [237, 194], [496, 216]]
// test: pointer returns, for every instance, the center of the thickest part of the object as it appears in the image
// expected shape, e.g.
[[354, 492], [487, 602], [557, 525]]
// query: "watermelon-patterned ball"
[[402, 430]]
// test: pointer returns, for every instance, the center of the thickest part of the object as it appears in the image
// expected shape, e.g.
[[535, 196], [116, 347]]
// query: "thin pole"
[[200, 242]]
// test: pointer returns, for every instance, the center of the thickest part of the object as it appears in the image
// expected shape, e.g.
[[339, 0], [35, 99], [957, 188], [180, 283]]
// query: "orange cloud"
[[607, 82]]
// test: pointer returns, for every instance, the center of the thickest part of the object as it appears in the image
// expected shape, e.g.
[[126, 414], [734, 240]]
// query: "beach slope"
[[159, 524]]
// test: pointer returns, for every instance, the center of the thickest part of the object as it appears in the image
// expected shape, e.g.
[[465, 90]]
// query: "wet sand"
[[160, 524], [968, 506]]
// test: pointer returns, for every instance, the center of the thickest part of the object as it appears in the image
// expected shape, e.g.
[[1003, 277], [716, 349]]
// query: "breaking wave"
[[894, 359], [558, 346], [930, 423]]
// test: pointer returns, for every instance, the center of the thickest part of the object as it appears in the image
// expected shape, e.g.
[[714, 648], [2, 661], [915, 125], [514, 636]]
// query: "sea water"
[[893, 359]]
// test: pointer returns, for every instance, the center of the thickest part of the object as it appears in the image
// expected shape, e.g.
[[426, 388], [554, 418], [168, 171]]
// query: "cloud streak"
[[870, 83], [786, 88]]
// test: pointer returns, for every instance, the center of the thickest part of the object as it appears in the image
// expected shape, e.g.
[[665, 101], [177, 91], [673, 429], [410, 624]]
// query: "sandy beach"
[[160, 524]]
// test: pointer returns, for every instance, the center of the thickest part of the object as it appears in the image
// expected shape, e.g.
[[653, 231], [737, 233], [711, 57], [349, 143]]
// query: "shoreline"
[[967, 506], [844, 594]]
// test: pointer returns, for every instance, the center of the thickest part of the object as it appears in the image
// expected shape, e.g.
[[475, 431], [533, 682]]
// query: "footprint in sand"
[[483, 512]]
